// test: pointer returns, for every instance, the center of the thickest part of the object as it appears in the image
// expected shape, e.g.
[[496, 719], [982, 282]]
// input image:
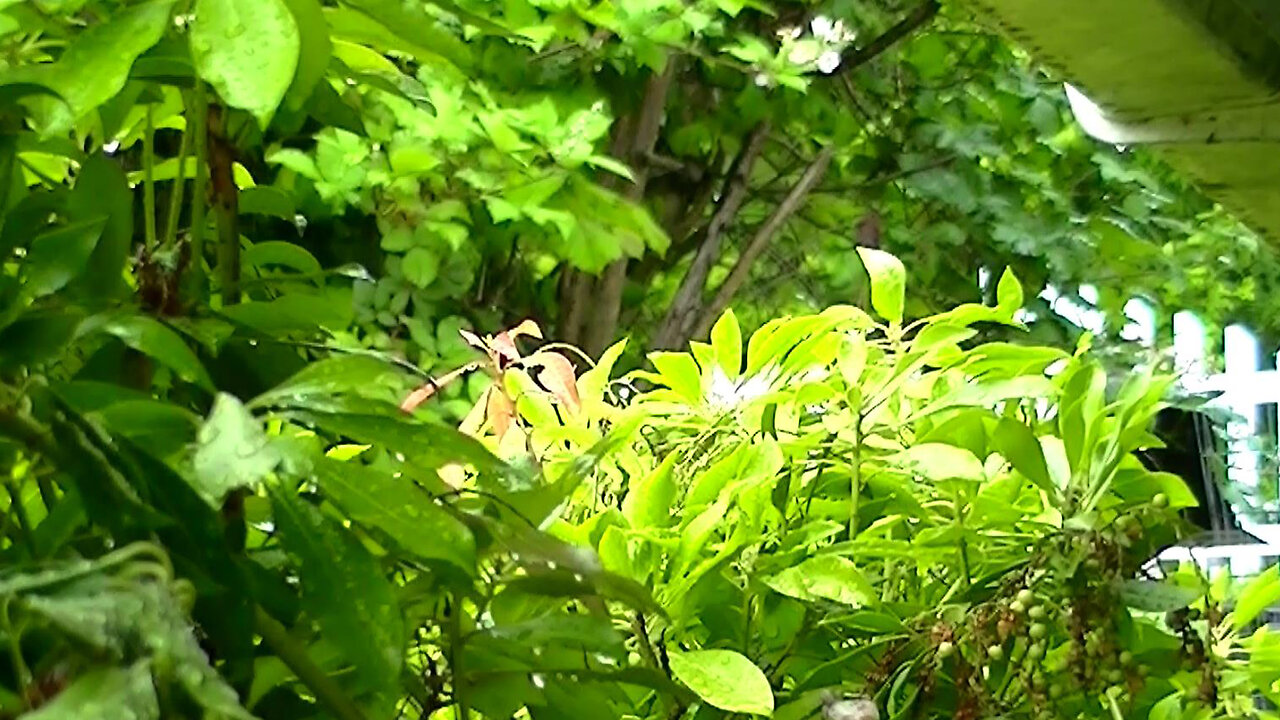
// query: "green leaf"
[[1020, 446], [429, 446], [939, 461], [1168, 708], [1157, 595], [96, 65], [725, 679], [726, 340], [101, 190], [827, 577], [679, 372], [105, 692], [314, 50], [1261, 593], [649, 501], [59, 256], [232, 451], [420, 266], [398, 509], [1008, 293], [344, 590], [248, 50], [888, 282], [151, 337], [285, 254], [412, 25], [328, 377]]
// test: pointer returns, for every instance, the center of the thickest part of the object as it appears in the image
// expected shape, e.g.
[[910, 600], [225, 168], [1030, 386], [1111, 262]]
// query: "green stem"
[[463, 712], [149, 178], [198, 116], [20, 512], [25, 678], [294, 655], [178, 190], [855, 487]]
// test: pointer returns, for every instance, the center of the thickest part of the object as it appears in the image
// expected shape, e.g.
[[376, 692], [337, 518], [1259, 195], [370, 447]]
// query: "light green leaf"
[[344, 589], [888, 282], [1261, 593], [59, 256], [151, 337], [1008, 293], [649, 501], [398, 509], [726, 340], [679, 372], [725, 679], [939, 461], [96, 65], [827, 577], [420, 266], [232, 451], [1169, 708], [248, 50]]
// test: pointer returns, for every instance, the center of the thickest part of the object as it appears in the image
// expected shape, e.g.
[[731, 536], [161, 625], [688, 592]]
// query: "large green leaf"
[[1020, 446], [232, 451], [150, 336], [1157, 596], [102, 190], [725, 679], [827, 577], [248, 50], [58, 256], [344, 589], [939, 461], [726, 341], [328, 377], [96, 64], [400, 510]]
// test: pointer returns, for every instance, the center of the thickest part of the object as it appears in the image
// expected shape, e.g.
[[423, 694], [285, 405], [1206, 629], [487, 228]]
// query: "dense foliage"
[[247, 246]]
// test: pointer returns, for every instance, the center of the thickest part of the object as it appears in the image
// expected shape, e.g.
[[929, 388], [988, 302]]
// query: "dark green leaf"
[[314, 49], [344, 589], [148, 335], [59, 256]]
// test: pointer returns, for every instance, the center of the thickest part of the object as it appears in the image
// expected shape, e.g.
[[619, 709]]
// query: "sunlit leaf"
[[248, 50], [725, 679]]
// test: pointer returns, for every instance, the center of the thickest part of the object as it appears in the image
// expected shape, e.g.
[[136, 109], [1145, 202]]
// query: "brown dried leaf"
[[432, 386], [500, 412], [557, 377], [475, 341], [528, 327], [474, 420]]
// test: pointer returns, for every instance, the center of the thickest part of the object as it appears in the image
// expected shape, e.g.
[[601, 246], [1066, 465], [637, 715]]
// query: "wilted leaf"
[[555, 374]]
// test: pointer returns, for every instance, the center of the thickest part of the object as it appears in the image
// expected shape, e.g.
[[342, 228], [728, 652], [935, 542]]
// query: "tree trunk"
[[684, 308], [760, 241], [606, 302]]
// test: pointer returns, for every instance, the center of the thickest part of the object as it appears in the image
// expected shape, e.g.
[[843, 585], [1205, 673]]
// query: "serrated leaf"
[[248, 50], [344, 589], [103, 693], [232, 451], [725, 679]]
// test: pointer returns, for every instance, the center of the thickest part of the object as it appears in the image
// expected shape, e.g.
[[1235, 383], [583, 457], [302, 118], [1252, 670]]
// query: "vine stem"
[[295, 657], [198, 113], [463, 712], [149, 177]]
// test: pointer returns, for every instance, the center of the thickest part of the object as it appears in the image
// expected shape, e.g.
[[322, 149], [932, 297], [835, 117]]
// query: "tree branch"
[[687, 303], [857, 57], [760, 241]]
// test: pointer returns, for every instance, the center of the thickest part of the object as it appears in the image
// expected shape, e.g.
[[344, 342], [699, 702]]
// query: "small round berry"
[[1017, 607], [1026, 597], [1036, 613], [1038, 631], [995, 652], [946, 649], [1160, 501]]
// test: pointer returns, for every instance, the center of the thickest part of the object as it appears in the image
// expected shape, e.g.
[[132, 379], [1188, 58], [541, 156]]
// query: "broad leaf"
[[827, 577], [58, 256], [248, 50], [344, 589], [725, 679], [1261, 593], [232, 450], [1157, 595], [938, 461], [314, 50], [399, 509], [726, 341], [151, 337]]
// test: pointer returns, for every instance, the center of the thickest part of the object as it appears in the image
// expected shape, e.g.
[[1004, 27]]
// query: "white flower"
[[822, 27], [828, 61]]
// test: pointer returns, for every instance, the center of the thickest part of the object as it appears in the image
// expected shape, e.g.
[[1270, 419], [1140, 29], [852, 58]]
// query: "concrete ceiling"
[[1197, 80]]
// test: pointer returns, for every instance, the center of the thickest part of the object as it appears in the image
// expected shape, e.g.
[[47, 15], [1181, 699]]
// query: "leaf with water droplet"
[[248, 50]]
